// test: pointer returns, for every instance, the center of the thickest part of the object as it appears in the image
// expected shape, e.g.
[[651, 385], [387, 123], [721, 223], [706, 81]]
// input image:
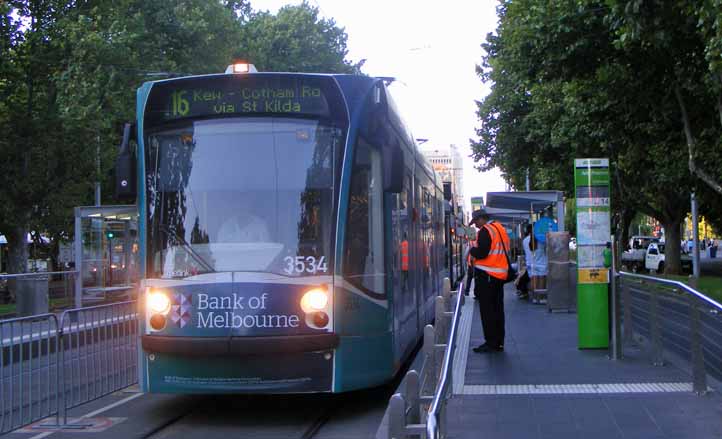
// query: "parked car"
[[634, 256], [654, 260]]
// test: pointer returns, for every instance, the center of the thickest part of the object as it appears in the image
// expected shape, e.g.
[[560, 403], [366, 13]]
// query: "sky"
[[431, 48]]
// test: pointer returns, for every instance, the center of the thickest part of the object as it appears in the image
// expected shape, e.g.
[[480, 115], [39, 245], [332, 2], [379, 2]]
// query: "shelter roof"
[[519, 206]]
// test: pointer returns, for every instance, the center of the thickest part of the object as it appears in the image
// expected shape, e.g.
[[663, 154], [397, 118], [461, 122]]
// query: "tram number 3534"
[[305, 264]]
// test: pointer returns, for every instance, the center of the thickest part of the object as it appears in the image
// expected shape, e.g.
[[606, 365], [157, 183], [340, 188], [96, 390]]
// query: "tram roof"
[[360, 78]]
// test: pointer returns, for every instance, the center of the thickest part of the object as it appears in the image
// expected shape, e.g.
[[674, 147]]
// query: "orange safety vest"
[[495, 262], [404, 255]]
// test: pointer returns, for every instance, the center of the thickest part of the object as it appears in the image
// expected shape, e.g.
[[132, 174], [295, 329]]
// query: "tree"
[[566, 85], [69, 74], [69, 71], [295, 40], [689, 35]]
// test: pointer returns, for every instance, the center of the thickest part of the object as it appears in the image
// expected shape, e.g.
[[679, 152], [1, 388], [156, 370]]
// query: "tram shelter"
[[512, 206], [105, 253]]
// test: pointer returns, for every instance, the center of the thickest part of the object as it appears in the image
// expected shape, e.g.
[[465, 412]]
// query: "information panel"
[[591, 180]]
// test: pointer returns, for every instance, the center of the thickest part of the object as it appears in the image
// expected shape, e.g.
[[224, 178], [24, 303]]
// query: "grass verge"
[[708, 285], [55, 304]]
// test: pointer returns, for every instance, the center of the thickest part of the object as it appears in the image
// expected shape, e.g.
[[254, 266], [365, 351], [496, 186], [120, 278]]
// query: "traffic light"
[[109, 234]]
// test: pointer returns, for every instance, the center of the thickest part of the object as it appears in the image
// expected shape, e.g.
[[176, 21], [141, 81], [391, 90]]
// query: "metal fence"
[[49, 364], [99, 354], [670, 318], [28, 370], [420, 409]]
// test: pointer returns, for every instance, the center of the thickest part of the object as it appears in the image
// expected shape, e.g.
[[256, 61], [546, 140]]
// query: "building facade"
[[448, 163]]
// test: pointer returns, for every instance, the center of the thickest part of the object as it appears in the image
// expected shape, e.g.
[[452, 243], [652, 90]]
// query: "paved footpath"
[[542, 386]]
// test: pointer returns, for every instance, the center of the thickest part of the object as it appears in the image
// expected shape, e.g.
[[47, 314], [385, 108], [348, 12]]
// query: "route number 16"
[[307, 264], [179, 104]]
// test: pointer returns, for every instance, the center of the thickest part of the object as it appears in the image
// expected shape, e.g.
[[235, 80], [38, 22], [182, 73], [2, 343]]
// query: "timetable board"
[[591, 181]]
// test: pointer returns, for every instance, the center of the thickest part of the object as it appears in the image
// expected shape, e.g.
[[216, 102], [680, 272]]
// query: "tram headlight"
[[314, 300], [158, 302]]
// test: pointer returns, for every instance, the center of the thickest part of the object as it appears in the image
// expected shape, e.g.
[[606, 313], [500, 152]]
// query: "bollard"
[[397, 408], [31, 295], [699, 374], [430, 356], [440, 319], [654, 329], [412, 395], [446, 287]]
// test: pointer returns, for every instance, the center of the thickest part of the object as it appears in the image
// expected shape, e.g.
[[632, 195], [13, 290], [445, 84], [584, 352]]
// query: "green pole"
[[591, 181]]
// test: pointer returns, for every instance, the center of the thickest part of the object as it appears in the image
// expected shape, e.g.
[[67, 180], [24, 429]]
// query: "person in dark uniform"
[[490, 271]]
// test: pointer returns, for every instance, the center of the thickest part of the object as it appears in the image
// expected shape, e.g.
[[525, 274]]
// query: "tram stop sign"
[[591, 181]]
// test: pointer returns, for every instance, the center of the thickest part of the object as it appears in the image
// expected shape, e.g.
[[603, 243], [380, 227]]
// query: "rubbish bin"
[[31, 295]]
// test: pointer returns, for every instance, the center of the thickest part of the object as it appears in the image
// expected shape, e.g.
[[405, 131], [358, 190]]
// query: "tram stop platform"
[[543, 386]]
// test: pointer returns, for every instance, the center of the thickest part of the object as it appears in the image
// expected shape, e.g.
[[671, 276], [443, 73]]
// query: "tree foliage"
[[604, 79], [295, 40], [68, 75]]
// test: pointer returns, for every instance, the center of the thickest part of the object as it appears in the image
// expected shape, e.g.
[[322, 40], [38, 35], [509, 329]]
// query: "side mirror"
[[393, 169], [125, 169]]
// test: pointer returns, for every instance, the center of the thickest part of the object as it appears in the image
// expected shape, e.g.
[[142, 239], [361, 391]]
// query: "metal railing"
[[50, 364], [99, 354], [420, 408], [436, 422], [663, 309], [28, 370]]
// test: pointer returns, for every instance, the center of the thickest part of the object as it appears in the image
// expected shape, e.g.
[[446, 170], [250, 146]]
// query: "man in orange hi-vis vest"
[[490, 271], [404, 250]]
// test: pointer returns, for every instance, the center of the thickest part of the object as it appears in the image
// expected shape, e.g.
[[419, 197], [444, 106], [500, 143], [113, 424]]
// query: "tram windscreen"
[[241, 194]]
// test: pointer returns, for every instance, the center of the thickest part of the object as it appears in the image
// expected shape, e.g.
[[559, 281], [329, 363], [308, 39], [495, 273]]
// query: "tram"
[[291, 234]]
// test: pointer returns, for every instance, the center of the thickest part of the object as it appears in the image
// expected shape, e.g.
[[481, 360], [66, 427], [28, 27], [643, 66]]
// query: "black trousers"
[[469, 276], [490, 292]]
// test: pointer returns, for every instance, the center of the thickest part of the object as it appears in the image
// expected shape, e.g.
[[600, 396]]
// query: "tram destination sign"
[[225, 95]]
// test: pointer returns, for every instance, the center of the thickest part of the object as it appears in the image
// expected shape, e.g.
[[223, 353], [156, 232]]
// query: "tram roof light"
[[241, 67]]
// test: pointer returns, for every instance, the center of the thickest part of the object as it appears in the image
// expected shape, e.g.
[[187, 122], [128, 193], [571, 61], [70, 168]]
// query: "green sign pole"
[[591, 181]]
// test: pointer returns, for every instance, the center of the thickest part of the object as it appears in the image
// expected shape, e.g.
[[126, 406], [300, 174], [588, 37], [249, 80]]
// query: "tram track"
[[353, 415], [165, 425], [318, 424], [322, 416]]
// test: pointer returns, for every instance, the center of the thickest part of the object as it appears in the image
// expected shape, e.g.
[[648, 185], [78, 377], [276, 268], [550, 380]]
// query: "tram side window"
[[364, 249]]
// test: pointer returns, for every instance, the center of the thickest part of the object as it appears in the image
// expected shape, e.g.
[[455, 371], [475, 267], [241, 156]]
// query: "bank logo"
[[180, 309]]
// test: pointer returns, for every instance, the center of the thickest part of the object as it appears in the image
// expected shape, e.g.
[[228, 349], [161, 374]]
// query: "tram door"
[[418, 256], [405, 301]]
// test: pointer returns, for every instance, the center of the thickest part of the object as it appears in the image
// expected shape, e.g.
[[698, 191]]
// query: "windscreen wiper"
[[188, 248]]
